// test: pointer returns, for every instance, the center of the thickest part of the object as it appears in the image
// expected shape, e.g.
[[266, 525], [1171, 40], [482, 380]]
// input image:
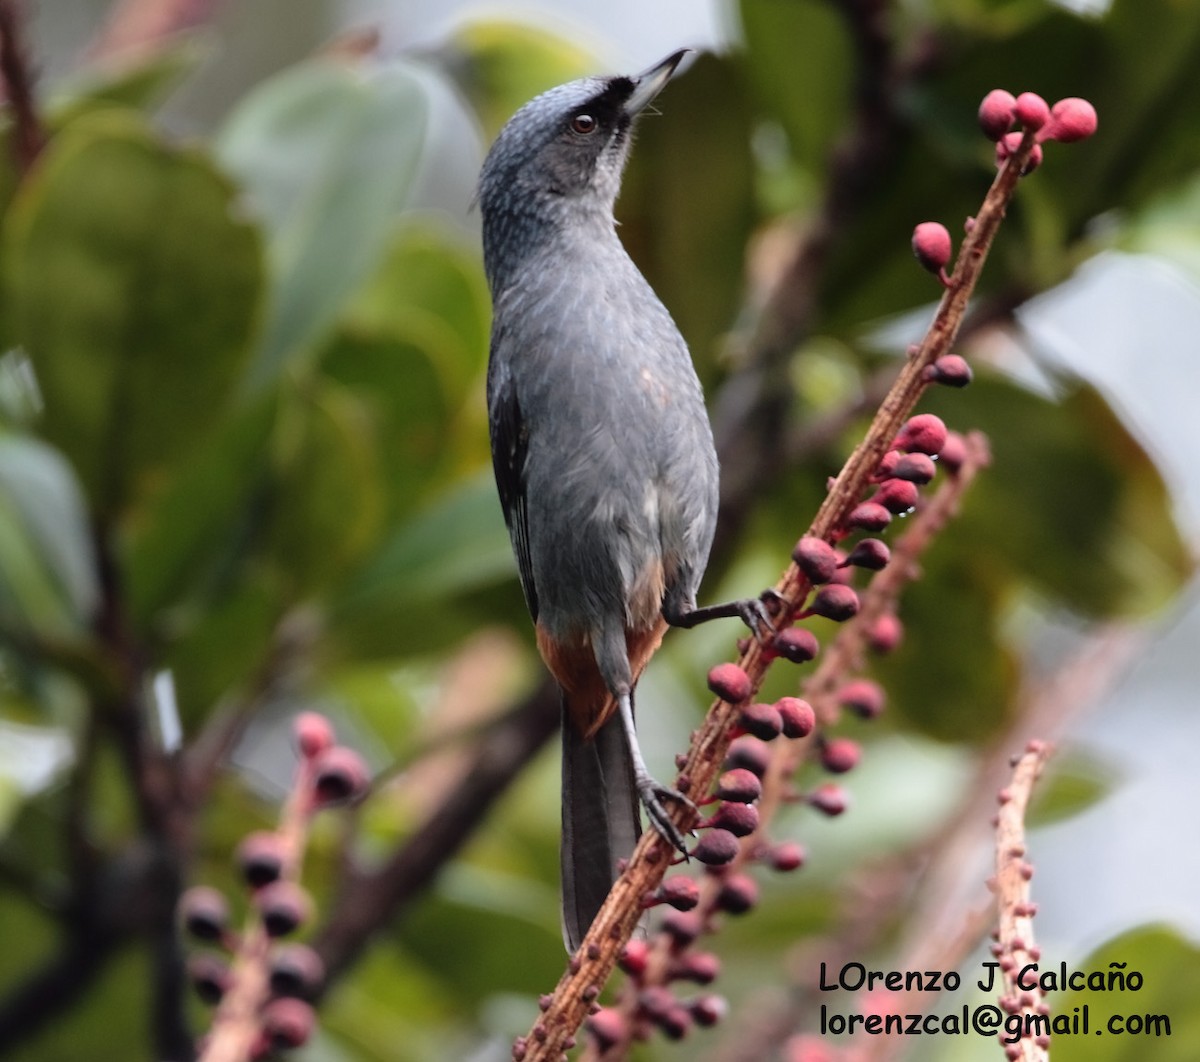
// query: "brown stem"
[[1013, 898], [237, 1024], [28, 136], [591, 967]]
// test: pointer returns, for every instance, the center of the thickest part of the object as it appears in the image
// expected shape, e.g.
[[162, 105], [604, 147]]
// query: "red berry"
[[210, 976], [739, 785], [339, 775], [634, 957], [674, 1022], [313, 733], [738, 894], [836, 602], [288, 1023], [950, 370], [885, 633], [868, 516], [1031, 110], [887, 464], [730, 683], [925, 434], [678, 891], [296, 970], [816, 558], [797, 644], [747, 753], [716, 848], [796, 716], [863, 697], [608, 1027], [839, 755], [761, 720], [915, 468], [1009, 145], [682, 927], [708, 1010], [829, 799], [786, 856], [870, 553], [261, 857], [996, 113], [701, 967], [954, 452], [283, 906], [740, 819], [932, 246], [205, 912], [1070, 119], [897, 496]]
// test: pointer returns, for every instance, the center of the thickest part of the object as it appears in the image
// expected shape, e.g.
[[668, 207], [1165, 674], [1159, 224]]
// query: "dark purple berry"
[[797, 644]]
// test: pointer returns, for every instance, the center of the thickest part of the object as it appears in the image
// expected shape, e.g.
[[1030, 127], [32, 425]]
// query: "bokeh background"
[[244, 471]]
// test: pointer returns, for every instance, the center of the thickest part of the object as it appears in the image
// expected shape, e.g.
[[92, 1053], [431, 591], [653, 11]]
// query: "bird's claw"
[[758, 615], [653, 793]]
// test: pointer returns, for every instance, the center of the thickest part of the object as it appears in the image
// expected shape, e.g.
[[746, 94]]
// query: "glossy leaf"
[[134, 290], [456, 546], [326, 501], [1167, 964], [687, 205], [801, 65], [1075, 782], [47, 576], [411, 347], [499, 65], [429, 284], [1086, 516], [326, 154]]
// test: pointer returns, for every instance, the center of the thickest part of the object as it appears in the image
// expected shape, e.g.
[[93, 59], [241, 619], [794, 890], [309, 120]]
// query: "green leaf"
[[799, 60], [499, 65], [47, 579], [687, 206], [327, 153], [429, 284], [456, 546], [134, 290], [952, 678], [1167, 964], [412, 347], [327, 496], [1075, 782], [189, 542], [1071, 502]]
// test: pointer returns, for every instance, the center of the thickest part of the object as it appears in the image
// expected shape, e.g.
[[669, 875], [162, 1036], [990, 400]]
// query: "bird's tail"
[[601, 819]]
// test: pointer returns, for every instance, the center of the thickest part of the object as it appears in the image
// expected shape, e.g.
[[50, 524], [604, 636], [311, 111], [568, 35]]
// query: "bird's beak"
[[649, 83]]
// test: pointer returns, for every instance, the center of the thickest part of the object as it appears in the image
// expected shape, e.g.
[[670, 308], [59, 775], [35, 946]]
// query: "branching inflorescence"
[[744, 756], [261, 985]]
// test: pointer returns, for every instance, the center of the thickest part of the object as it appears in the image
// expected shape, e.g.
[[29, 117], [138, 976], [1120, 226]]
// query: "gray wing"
[[510, 447]]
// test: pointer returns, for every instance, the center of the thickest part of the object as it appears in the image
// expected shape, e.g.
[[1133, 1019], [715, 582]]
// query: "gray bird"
[[602, 450]]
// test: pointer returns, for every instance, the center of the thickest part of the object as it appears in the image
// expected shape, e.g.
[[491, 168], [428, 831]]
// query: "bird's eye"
[[583, 124]]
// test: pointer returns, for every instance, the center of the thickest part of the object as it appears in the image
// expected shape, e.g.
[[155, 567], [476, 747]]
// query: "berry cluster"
[[733, 831], [1068, 120], [262, 984]]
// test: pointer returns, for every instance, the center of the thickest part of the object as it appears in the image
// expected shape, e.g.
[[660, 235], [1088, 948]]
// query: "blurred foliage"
[[243, 441]]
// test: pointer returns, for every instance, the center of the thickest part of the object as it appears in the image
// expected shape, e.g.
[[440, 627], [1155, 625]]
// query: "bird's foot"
[[653, 794]]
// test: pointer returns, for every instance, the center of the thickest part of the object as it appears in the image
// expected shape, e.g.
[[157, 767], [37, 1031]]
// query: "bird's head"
[[561, 155]]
